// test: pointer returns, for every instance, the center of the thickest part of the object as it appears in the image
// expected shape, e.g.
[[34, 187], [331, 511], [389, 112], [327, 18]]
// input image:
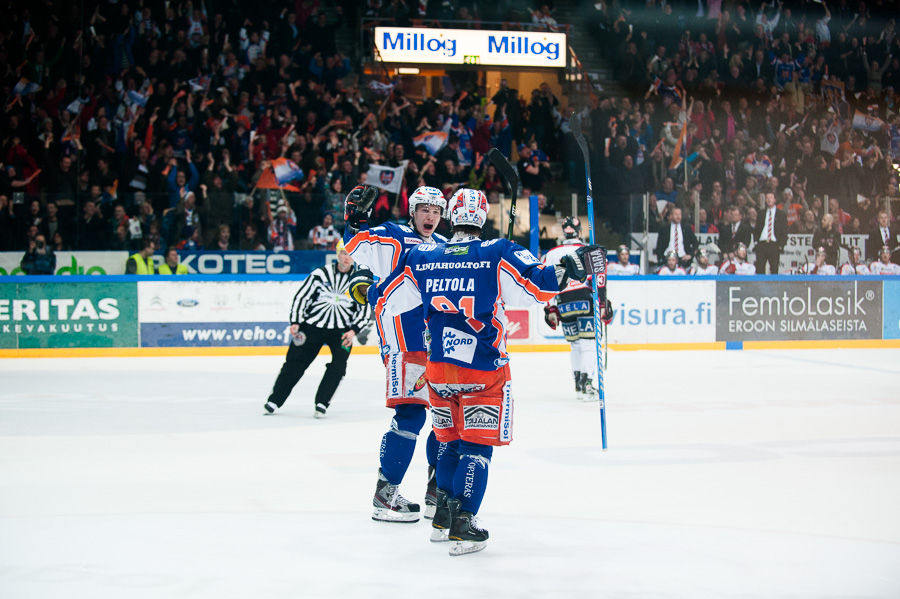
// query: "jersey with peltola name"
[[463, 286]]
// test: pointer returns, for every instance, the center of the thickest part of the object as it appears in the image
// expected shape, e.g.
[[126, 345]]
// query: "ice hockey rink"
[[730, 474]]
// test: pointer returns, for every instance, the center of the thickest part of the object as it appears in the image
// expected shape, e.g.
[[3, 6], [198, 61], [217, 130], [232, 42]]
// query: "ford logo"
[[187, 303]]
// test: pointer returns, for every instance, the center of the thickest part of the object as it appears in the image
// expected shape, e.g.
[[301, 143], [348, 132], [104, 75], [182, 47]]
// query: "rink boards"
[[247, 315]]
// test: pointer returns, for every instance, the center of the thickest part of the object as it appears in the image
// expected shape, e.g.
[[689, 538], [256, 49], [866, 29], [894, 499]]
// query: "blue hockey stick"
[[575, 124]]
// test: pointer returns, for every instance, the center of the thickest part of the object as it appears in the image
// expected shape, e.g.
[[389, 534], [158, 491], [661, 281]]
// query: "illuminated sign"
[[462, 46]]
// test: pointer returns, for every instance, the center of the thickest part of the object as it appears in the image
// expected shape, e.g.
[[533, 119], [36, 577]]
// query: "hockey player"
[[574, 308], [702, 267], [402, 345], [623, 266], [884, 266], [819, 267], [738, 265], [464, 286], [671, 268], [854, 266]]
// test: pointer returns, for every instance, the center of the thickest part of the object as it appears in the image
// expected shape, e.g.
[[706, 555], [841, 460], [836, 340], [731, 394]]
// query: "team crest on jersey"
[[481, 417], [526, 257], [441, 417], [489, 242], [447, 391], [457, 250], [458, 345]]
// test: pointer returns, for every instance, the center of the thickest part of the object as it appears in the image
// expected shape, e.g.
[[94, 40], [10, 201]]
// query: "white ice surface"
[[755, 474]]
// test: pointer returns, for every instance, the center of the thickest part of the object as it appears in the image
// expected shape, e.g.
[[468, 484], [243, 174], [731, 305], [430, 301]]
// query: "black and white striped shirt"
[[324, 301]]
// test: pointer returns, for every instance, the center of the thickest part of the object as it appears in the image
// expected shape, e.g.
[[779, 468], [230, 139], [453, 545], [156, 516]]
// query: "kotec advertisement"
[[52, 315], [801, 310]]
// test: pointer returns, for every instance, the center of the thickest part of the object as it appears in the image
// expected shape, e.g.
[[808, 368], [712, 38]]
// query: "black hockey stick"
[[598, 281], [512, 179]]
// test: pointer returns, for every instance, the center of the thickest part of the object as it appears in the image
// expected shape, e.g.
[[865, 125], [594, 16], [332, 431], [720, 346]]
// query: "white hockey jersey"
[[618, 269], [737, 267], [811, 269], [880, 268], [861, 269], [709, 271], [665, 271]]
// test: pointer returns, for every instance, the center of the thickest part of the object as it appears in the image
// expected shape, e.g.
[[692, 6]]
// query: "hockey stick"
[[512, 179], [599, 338]]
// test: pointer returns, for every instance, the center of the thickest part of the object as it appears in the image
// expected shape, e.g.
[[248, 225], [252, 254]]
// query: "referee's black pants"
[[299, 357], [767, 252]]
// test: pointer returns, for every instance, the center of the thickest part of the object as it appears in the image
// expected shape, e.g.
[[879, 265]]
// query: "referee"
[[322, 314]]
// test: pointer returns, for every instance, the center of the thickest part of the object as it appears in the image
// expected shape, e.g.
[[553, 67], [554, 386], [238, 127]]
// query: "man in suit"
[[676, 238], [771, 234], [733, 231], [882, 235]]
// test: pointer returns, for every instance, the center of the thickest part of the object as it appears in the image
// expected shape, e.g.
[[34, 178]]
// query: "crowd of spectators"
[[729, 100], [157, 120], [146, 119]]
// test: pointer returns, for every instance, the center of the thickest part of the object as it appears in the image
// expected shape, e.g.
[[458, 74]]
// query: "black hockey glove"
[[569, 267], [360, 282], [607, 314], [357, 205], [551, 316]]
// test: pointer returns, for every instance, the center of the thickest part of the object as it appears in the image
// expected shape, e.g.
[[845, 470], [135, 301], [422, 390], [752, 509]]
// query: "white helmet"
[[468, 207], [427, 195]]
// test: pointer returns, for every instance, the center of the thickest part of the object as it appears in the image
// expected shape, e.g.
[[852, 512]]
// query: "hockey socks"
[[432, 447], [399, 443], [447, 462], [471, 477]]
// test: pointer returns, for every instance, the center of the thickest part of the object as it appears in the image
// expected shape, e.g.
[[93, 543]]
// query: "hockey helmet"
[[741, 246], [855, 253], [671, 254], [468, 207], [821, 250], [339, 247], [623, 249], [702, 252], [572, 227], [885, 250], [430, 196]]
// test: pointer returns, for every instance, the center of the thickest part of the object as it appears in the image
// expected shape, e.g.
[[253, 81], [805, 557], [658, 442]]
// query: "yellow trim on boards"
[[150, 352]]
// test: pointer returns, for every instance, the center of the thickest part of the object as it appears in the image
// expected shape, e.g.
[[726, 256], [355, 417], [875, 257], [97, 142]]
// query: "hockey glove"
[[607, 313], [357, 205], [569, 267], [551, 316], [359, 285]]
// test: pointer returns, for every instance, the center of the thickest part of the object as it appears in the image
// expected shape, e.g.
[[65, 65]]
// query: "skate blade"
[[465, 547], [386, 515], [440, 535], [429, 512]]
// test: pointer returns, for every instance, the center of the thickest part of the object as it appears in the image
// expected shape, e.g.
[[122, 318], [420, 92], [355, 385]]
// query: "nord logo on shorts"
[[440, 418], [481, 417], [458, 345]]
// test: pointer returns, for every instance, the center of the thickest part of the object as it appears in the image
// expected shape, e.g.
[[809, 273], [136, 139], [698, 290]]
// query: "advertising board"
[[416, 45]]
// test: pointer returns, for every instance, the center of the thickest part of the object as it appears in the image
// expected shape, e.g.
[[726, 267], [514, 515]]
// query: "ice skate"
[[440, 524], [466, 536], [270, 407], [320, 410], [390, 506], [579, 386], [590, 391], [430, 496]]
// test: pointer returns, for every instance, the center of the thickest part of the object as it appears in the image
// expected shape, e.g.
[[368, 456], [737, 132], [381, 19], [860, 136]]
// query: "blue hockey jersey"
[[380, 248], [464, 286]]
